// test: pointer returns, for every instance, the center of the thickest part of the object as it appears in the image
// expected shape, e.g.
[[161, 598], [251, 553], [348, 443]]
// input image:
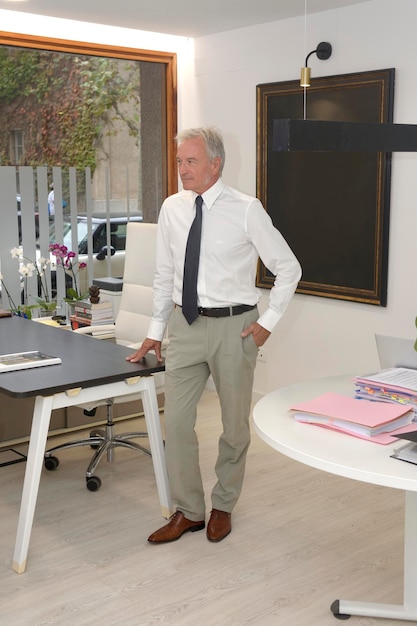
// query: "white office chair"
[[131, 323]]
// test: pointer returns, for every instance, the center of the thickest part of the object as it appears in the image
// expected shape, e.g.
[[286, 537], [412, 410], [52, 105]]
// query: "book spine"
[[84, 309], [85, 322], [81, 304], [94, 316], [79, 313], [78, 323]]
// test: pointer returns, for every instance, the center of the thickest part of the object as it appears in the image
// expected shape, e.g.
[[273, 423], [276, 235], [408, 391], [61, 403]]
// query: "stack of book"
[[86, 313]]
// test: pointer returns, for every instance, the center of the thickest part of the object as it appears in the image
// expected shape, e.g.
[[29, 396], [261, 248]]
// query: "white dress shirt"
[[236, 230]]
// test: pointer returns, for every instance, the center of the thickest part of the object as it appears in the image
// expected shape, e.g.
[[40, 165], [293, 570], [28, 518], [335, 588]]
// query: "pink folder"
[[351, 416], [383, 438]]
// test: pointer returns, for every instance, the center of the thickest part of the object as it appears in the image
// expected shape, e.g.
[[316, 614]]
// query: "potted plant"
[[65, 260], [22, 310], [27, 268]]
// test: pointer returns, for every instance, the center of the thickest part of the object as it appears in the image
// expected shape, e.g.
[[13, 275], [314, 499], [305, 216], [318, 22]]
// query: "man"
[[51, 202], [224, 338]]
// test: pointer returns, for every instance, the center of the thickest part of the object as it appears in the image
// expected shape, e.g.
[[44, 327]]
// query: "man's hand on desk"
[[147, 345]]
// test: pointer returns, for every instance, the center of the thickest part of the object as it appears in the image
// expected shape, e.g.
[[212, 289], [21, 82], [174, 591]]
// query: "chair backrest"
[[135, 310]]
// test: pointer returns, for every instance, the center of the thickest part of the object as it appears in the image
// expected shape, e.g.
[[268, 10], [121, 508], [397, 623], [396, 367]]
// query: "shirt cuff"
[[156, 330], [269, 319]]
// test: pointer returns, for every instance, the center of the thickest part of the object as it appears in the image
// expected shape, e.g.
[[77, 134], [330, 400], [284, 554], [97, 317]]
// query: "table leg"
[[153, 425], [37, 445], [342, 609]]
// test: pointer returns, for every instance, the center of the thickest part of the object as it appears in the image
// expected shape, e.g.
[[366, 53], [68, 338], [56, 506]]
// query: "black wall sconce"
[[324, 52]]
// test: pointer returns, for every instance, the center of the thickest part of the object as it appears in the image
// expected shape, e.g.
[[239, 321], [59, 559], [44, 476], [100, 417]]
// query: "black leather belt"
[[226, 311]]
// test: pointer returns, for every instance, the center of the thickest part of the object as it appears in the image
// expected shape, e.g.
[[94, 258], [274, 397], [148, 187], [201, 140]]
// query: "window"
[[16, 147], [123, 123]]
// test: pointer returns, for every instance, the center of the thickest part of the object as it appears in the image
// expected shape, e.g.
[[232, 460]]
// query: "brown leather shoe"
[[219, 526], [176, 527]]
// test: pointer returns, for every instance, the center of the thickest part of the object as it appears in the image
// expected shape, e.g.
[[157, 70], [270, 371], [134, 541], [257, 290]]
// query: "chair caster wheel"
[[93, 483], [335, 608], [51, 463]]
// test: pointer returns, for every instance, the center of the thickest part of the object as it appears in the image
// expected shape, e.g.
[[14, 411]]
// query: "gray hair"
[[211, 136]]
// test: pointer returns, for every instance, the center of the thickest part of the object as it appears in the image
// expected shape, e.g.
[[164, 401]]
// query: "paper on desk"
[[397, 378], [48, 321]]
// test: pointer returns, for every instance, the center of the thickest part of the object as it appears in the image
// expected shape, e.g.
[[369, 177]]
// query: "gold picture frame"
[[331, 207]]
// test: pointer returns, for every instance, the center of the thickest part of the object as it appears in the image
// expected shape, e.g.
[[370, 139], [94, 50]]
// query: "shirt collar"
[[210, 196]]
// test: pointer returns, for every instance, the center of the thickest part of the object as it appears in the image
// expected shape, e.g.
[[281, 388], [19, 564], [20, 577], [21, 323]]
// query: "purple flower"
[[64, 259]]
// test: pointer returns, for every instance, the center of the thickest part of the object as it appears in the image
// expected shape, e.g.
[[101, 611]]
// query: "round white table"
[[350, 457]]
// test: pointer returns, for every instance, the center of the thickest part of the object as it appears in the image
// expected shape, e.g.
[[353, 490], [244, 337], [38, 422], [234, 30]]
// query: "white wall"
[[318, 336]]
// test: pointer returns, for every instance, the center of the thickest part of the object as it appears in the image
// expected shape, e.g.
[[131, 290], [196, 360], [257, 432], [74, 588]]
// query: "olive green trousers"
[[209, 346]]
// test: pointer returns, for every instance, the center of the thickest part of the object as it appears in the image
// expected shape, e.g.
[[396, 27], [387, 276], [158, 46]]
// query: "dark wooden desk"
[[90, 370]]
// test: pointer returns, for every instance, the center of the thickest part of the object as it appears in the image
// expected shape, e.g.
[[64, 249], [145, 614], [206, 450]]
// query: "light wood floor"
[[301, 538]]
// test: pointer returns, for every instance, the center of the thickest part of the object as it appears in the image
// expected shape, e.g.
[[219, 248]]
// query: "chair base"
[[104, 441]]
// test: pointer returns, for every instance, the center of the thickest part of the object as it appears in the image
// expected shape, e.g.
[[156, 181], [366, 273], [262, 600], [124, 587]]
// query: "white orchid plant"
[[27, 269]]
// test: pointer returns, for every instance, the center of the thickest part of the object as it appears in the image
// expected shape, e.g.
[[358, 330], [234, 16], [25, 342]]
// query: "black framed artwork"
[[331, 207]]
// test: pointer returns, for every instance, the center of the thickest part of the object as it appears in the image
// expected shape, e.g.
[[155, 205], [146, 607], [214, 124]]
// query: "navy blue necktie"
[[192, 257]]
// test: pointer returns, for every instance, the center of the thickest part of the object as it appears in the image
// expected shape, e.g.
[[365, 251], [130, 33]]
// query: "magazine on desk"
[[408, 452], [26, 360]]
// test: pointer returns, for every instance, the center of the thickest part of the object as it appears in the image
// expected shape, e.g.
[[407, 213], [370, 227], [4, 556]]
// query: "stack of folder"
[[367, 419], [397, 385]]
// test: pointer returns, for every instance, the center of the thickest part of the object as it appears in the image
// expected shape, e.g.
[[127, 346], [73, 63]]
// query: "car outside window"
[[118, 229], [82, 236]]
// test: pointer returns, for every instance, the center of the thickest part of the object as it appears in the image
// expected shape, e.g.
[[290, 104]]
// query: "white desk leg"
[[37, 445], [153, 425], [408, 611]]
